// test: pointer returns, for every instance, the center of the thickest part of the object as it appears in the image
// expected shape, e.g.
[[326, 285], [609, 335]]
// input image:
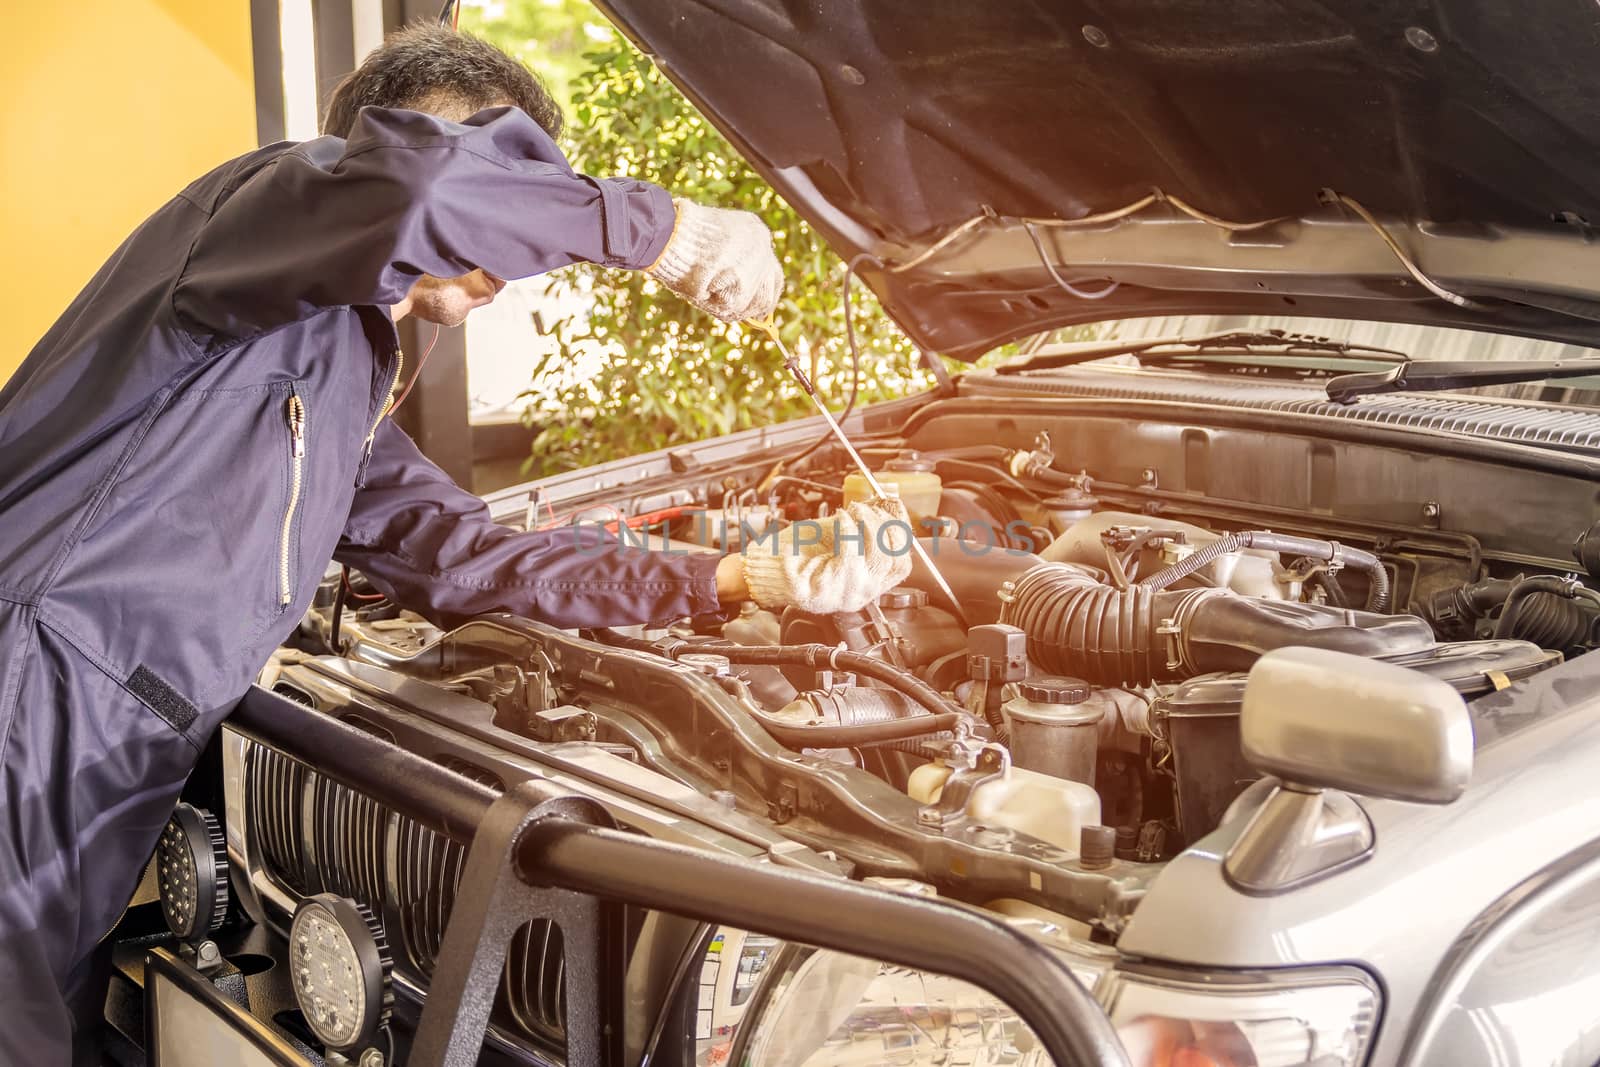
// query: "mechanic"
[[204, 427]]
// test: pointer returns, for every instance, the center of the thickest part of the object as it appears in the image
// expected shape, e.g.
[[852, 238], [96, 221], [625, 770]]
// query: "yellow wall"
[[107, 108]]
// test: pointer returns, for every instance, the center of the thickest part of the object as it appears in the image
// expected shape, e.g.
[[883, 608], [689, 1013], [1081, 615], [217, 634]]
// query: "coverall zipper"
[[383, 409], [297, 458]]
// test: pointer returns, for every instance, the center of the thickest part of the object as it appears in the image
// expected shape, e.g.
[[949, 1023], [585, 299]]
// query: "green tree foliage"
[[550, 36], [637, 369]]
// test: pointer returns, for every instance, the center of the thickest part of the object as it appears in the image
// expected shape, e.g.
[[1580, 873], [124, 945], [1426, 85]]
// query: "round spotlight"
[[340, 969], [192, 873]]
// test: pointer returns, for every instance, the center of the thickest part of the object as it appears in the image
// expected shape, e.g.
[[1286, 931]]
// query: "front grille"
[[348, 835], [536, 995], [427, 872], [314, 835], [273, 806]]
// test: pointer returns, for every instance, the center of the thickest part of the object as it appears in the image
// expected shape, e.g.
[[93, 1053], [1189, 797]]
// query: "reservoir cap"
[[1055, 689]]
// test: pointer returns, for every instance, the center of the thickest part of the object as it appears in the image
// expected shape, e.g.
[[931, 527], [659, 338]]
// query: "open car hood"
[[1469, 128]]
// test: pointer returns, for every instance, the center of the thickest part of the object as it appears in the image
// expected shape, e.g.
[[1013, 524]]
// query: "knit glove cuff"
[[840, 564], [722, 262]]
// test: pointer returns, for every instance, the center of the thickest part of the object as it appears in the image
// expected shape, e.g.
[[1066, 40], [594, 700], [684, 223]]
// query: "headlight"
[[826, 1009], [1322, 1016]]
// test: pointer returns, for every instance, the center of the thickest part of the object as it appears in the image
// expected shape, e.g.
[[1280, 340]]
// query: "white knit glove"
[[721, 262], [841, 563]]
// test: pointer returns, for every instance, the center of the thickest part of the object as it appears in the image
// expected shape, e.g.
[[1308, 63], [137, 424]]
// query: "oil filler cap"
[[900, 599], [1054, 689]]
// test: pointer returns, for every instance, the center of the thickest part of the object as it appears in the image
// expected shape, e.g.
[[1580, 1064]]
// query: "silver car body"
[[1481, 918]]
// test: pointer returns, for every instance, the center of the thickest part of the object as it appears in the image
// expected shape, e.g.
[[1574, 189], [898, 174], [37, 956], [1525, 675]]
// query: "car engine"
[[1035, 730], [1076, 706]]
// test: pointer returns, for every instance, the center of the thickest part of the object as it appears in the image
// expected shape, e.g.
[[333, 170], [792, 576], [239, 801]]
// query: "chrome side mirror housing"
[[1335, 721], [1323, 723]]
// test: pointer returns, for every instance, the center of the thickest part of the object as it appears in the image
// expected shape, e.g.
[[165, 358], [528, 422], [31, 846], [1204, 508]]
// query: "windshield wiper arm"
[[1434, 376], [1280, 342]]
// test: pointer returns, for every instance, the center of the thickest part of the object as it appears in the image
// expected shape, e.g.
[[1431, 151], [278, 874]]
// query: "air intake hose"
[[1544, 609], [1330, 551], [1077, 626], [1541, 613], [1080, 627]]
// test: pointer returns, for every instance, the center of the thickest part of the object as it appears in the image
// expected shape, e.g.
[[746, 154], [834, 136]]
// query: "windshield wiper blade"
[[1279, 342], [1438, 375]]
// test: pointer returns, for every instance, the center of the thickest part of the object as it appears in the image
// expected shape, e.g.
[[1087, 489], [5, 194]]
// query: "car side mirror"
[[1337, 721], [1326, 723]]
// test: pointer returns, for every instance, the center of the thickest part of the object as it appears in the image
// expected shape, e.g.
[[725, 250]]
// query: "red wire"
[[355, 595], [423, 362], [635, 521]]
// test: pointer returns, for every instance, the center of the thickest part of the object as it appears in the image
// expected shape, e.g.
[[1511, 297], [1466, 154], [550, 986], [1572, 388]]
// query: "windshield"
[[1419, 342]]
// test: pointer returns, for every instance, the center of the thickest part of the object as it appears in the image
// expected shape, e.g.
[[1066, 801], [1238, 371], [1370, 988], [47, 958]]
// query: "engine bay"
[[1040, 743]]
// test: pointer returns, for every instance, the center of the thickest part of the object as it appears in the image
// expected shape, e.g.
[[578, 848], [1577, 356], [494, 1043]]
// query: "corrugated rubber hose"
[[1077, 625], [1545, 620]]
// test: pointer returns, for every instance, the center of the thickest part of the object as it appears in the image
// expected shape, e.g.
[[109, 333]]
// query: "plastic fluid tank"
[[1040, 805], [919, 486], [1055, 726]]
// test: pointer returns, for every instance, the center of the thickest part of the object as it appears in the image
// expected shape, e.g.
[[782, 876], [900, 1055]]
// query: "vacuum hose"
[[1329, 551], [829, 658]]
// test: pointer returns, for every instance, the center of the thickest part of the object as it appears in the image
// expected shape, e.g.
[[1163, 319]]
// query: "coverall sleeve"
[[432, 547], [333, 222]]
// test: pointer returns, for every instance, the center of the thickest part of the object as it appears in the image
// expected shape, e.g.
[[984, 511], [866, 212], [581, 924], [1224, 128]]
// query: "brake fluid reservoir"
[[1040, 805], [911, 474]]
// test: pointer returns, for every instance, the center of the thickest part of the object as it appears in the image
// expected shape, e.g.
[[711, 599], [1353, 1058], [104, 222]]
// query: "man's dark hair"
[[430, 68]]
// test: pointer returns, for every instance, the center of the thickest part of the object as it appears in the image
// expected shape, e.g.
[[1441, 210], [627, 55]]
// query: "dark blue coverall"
[[155, 542]]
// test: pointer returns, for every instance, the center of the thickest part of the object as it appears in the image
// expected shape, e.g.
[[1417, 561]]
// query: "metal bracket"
[[1170, 629], [207, 959], [696, 883], [564, 724], [491, 904], [951, 807], [1297, 835]]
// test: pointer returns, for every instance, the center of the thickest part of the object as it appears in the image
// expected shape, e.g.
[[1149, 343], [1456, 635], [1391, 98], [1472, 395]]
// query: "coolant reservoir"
[[912, 475], [1051, 809]]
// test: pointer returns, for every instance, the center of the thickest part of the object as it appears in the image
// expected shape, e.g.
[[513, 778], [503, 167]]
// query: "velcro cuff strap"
[[613, 219], [162, 699]]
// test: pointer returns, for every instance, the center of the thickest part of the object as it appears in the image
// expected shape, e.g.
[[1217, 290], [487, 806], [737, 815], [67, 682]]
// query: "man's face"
[[446, 301]]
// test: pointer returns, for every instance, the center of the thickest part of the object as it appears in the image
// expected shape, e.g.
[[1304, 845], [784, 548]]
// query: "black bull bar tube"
[[540, 850]]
